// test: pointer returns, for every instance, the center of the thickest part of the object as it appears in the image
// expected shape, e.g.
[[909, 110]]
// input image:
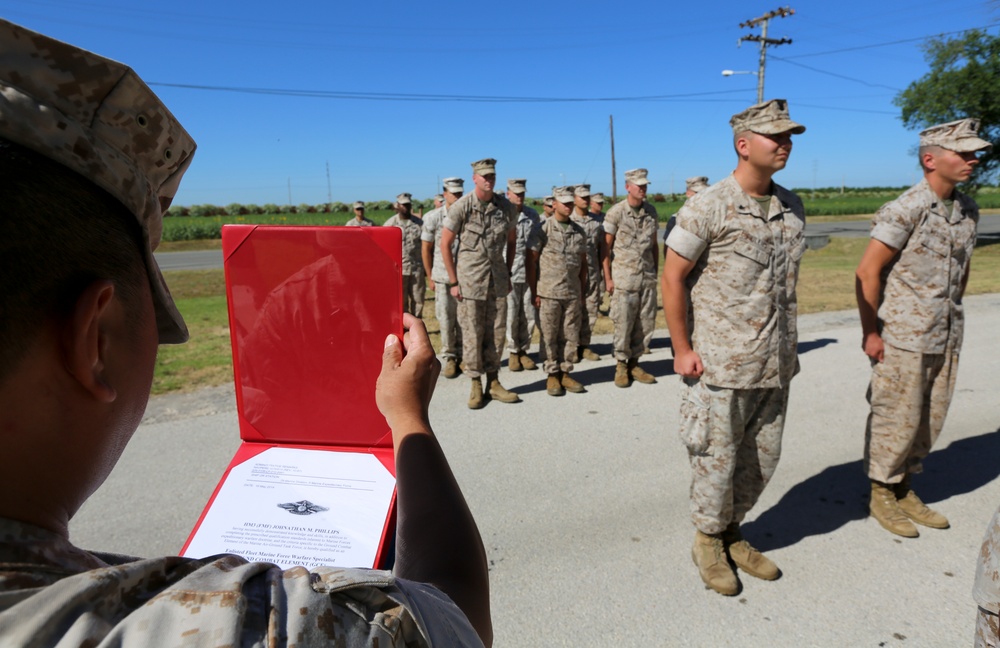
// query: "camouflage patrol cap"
[[96, 117], [548, 200], [597, 198], [485, 166], [358, 205], [961, 136], [438, 197], [768, 118], [404, 199], [454, 185], [637, 176], [517, 185], [582, 190], [697, 183], [563, 194]]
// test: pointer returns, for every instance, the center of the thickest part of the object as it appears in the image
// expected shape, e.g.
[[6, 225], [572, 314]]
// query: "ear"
[[85, 340], [929, 161]]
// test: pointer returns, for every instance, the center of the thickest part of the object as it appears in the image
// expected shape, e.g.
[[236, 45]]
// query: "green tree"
[[962, 82]]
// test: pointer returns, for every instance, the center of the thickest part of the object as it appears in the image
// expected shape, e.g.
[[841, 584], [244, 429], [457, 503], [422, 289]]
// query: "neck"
[[483, 195], [562, 218], [634, 202], [754, 181], [943, 188]]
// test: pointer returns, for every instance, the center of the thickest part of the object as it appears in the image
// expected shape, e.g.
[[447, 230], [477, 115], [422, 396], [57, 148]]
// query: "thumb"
[[393, 353]]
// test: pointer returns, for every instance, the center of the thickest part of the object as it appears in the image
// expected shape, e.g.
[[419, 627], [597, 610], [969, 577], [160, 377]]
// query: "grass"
[[826, 283]]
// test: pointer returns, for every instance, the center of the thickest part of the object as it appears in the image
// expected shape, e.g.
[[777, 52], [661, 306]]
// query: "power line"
[[400, 96], [887, 44], [834, 74]]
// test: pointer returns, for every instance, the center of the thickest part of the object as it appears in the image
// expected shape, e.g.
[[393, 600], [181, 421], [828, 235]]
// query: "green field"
[[826, 283]]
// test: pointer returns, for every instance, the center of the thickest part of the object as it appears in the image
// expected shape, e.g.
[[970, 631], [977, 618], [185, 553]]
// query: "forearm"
[[675, 311], [437, 540], [427, 256], [868, 289]]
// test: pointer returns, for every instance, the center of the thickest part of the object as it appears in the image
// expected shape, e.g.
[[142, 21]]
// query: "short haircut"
[[59, 232], [933, 149]]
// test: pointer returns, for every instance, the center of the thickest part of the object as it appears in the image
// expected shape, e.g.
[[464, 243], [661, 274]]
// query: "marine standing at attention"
[[445, 306]]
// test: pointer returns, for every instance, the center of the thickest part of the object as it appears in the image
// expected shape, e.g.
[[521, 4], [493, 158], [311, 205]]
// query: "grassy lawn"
[[826, 283]]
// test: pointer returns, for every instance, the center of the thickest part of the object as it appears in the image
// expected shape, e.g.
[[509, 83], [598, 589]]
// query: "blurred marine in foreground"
[[90, 158]]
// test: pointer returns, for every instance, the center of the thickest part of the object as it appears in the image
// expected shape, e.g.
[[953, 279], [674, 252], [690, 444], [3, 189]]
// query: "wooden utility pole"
[[614, 174], [764, 41]]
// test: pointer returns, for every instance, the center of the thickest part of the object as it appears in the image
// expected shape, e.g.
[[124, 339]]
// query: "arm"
[[655, 243], [687, 362], [427, 254], [447, 238], [606, 245], [868, 290], [583, 280], [531, 270], [511, 251], [437, 540]]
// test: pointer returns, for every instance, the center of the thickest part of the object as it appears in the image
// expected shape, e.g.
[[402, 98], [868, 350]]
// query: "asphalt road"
[[989, 227], [582, 504]]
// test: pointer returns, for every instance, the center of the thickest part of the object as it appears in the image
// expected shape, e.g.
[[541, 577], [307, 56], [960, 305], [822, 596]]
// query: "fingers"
[[393, 352]]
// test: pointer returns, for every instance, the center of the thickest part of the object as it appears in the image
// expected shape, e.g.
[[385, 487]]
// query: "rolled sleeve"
[[685, 243], [891, 234]]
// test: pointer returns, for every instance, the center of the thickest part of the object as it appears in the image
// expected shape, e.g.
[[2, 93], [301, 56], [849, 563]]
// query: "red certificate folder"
[[309, 311]]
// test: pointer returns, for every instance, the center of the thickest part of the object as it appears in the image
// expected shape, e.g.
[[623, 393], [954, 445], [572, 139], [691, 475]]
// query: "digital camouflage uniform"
[[414, 284], [53, 594], [521, 314], [633, 271], [741, 319], [922, 322], [364, 222], [482, 276], [986, 591], [592, 291], [561, 246], [445, 306]]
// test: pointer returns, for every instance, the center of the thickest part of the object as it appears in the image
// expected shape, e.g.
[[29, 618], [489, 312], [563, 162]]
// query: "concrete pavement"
[[582, 504]]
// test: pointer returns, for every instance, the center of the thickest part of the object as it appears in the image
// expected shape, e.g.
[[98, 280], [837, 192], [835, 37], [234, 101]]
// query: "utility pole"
[[614, 175], [764, 41]]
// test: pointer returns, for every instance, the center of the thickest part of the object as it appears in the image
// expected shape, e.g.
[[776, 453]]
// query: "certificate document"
[[293, 506]]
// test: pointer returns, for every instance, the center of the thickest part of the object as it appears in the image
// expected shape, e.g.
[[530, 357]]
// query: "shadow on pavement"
[[839, 494], [806, 347]]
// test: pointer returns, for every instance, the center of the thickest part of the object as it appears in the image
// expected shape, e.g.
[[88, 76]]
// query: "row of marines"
[[732, 257]]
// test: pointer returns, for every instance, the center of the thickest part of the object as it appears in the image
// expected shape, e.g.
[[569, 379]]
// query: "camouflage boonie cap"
[[517, 185], [768, 118], [582, 190], [454, 185], [961, 136], [563, 194], [358, 204], [637, 176], [697, 183], [96, 117], [597, 198], [548, 200], [485, 166], [404, 199]]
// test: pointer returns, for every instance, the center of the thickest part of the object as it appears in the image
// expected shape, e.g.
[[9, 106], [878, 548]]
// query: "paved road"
[[989, 227], [582, 503]]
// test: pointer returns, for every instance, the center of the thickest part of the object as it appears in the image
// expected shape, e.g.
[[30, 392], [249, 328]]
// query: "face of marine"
[[768, 152], [952, 166], [450, 198], [484, 185], [636, 193], [562, 210], [516, 199], [581, 203], [359, 213]]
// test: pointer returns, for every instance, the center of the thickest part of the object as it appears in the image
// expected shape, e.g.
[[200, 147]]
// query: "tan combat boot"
[[553, 386], [640, 374], [588, 354], [621, 375], [450, 368], [746, 557], [913, 508], [476, 400], [514, 364], [709, 556], [499, 392], [884, 508], [571, 384], [527, 362]]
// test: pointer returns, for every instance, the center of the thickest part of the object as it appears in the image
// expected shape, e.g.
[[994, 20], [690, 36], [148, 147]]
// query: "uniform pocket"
[[936, 244], [753, 250], [694, 417]]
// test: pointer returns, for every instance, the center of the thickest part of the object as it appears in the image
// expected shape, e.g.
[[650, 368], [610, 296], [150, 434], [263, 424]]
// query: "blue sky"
[[847, 61]]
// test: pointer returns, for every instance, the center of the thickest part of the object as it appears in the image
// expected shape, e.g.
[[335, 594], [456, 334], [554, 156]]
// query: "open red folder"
[[313, 482]]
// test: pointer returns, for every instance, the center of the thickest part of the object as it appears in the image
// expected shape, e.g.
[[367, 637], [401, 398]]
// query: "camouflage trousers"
[[632, 312], [414, 287], [500, 327], [477, 318], [559, 320], [909, 395], [733, 439], [446, 311], [593, 300], [521, 318], [987, 629]]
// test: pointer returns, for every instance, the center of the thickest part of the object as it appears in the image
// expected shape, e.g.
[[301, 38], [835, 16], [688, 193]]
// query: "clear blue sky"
[[847, 61]]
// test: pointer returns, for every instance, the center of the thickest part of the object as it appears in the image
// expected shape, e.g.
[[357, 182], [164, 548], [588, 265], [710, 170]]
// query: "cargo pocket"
[[694, 417]]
